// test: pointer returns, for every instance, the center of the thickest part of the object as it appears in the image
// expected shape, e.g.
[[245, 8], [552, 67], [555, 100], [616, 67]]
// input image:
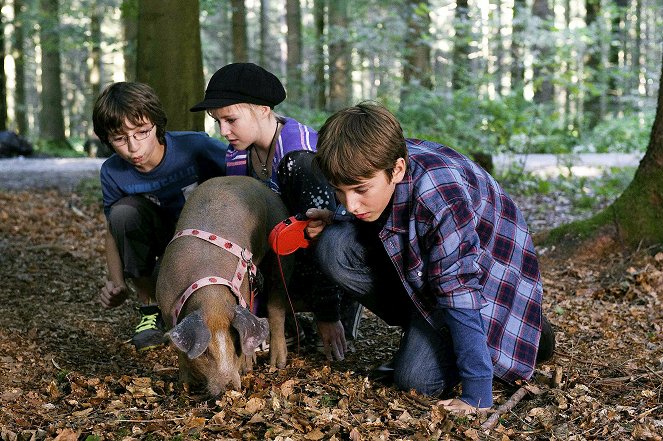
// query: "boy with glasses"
[[144, 186]]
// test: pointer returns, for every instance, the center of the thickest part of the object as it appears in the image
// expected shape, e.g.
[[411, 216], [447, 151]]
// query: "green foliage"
[[310, 117], [329, 400], [627, 134], [586, 194], [60, 149], [469, 122]]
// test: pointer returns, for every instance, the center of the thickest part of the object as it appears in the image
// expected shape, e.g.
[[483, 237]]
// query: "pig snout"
[[217, 357]]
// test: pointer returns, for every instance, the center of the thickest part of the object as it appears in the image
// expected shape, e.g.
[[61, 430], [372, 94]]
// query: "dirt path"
[[60, 173]]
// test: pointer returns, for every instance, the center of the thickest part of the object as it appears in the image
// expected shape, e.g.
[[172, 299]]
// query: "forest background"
[[516, 76], [491, 76]]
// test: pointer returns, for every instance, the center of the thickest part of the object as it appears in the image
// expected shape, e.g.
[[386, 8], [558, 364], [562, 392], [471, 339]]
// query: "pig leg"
[[278, 351], [276, 310]]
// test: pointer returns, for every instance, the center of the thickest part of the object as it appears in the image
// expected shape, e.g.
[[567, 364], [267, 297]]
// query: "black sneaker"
[[149, 332]]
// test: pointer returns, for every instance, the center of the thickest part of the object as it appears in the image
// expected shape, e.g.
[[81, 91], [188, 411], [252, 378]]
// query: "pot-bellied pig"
[[207, 276]]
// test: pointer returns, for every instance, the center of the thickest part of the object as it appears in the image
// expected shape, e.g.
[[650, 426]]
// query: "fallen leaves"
[[67, 373]]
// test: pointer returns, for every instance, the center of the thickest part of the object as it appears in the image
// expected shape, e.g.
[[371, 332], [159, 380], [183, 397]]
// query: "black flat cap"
[[241, 83]]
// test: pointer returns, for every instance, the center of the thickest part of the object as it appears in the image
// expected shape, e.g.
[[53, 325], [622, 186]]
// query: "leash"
[[285, 238]]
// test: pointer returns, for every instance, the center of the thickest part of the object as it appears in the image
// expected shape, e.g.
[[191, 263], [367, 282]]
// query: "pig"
[[215, 336]]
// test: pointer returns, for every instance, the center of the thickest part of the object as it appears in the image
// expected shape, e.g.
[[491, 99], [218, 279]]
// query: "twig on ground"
[[491, 422]]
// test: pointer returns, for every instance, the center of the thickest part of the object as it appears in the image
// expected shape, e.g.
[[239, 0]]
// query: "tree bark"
[[517, 37], [51, 116], [130, 32], [96, 67], [3, 78], [294, 76], [617, 56], [264, 34], [20, 104], [320, 89], [240, 37], [593, 106], [461, 46], [340, 82], [543, 85], [171, 58]]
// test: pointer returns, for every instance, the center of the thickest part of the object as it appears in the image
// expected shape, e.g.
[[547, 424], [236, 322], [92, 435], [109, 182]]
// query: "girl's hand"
[[319, 218]]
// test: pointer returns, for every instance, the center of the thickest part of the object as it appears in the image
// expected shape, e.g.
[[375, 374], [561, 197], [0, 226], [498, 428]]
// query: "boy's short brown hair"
[[131, 101], [358, 142]]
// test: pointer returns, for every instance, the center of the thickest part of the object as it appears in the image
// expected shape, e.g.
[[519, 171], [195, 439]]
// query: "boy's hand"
[[112, 296], [459, 406], [333, 340], [319, 219]]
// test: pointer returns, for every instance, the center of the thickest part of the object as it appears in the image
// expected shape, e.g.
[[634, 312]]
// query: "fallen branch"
[[491, 422]]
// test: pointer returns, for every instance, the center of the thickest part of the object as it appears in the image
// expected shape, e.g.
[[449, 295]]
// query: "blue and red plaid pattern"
[[459, 241]]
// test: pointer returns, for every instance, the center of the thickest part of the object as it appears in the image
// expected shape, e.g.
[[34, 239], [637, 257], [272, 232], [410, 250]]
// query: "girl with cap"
[[279, 151]]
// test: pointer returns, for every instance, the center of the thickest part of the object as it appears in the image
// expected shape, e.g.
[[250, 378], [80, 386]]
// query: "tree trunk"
[[617, 56], [543, 86], [417, 70], [636, 66], [461, 50], [51, 117], [96, 67], [319, 17], [20, 104], [634, 219], [171, 62], [594, 68], [130, 31], [499, 50], [240, 37], [517, 38], [264, 35], [638, 212], [294, 77], [340, 82], [3, 78]]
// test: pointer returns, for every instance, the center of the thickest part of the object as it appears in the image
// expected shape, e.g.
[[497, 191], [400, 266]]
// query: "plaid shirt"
[[458, 241]]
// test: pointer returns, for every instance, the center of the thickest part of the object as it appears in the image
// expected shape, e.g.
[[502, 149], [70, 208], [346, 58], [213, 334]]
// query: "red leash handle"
[[288, 235]]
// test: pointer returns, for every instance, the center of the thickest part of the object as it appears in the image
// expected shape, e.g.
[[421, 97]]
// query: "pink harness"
[[245, 264]]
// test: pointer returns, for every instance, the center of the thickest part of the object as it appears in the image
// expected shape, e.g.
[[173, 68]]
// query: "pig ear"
[[191, 335], [252, 330]]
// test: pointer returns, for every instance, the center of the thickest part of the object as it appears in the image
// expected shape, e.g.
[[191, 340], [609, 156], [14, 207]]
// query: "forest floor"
[[68, 371]]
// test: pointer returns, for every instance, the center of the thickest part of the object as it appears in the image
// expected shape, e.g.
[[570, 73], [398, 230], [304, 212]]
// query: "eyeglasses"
[[140, 135]]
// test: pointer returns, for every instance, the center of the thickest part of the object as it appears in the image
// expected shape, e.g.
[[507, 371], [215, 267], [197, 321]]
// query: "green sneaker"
[[149, 332]]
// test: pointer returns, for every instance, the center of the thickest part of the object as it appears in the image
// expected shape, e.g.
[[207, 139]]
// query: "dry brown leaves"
[[68, 373]]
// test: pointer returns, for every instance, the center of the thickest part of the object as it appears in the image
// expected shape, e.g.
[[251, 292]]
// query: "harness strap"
[[244, 265], [205, 281]]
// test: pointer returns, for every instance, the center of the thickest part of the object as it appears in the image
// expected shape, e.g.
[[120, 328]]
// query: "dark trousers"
[[141, 232]]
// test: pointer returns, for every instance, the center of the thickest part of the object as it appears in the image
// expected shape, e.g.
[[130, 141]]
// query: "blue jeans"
[[425, 360]]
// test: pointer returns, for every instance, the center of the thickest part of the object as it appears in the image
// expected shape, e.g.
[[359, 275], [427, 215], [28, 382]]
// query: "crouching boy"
[[434, 245], [144, 186]]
